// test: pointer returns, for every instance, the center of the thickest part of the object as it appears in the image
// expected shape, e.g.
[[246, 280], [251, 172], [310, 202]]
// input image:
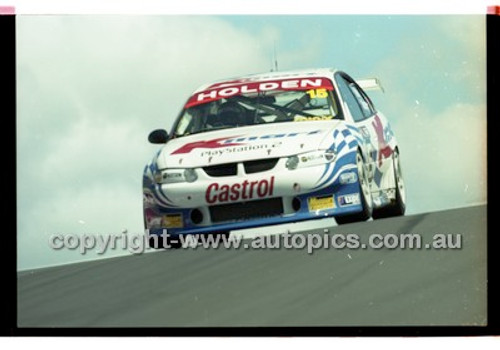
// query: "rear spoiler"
[[370, 84]]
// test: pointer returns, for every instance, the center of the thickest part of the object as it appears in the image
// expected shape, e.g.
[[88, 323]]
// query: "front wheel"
[[365, 194], [398, 206]]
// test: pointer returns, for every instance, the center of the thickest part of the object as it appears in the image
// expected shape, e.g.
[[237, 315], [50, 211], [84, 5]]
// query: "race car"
[[273, 148]]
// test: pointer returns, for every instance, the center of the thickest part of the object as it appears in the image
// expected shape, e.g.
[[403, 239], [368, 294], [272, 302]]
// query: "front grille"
[[247, 210], [256, 166], [229, 169]]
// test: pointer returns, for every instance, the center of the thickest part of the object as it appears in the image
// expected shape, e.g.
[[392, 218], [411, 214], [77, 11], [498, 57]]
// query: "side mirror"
[[158, 136]]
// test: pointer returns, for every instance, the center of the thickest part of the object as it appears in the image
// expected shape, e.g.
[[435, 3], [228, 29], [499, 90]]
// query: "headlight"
[[292, 162], [311, 159], [330, 155], [190, 175], [169, 176]]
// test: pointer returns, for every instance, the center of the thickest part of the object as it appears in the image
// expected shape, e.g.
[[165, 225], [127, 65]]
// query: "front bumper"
[[277, 197]]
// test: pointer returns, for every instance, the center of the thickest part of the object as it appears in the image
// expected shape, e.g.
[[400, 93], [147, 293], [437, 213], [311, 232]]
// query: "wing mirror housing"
[[158, 136]]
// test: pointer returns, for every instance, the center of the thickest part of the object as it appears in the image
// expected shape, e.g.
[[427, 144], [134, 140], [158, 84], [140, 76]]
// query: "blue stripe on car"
[[327, 167], [340, 146], [342, 161], [167, 200], [158, 199], [353, 144], [377, 176]]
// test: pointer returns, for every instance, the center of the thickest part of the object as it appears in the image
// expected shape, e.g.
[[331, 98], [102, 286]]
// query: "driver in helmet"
[[232, 114]]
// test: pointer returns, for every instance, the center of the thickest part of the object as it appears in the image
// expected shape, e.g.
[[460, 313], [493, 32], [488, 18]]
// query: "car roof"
[[302, 73]]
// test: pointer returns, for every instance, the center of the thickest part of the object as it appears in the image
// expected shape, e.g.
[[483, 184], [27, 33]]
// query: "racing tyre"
[[398, 206], [366, 197]]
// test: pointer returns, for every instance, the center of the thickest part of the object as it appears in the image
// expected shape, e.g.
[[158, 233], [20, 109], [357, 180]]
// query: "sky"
[[90, 89]]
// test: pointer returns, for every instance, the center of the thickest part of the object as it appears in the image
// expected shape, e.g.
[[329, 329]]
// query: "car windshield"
[[258, 103]]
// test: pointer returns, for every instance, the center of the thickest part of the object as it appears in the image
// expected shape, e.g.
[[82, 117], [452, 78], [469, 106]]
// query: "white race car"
[[270, 149]]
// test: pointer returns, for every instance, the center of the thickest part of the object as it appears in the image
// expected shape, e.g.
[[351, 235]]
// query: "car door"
[[362, 114], [381, 136], [380, 130]]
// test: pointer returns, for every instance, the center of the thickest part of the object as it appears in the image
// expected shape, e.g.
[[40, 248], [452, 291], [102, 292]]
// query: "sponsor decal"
[[246, 148], [271, 136], [301, 118], [225, 142], [384, 149], [312, 157], [152, 219], [317, 93], [226, 90], [348, 178], [365, 133], [246, 190], [215, 143], [383, 197], [349, 199], [321, 203], [172, 221], [388, 133], [172, 176]]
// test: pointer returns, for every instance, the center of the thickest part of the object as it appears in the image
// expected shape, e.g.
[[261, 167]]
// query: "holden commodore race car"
[[270, 149]]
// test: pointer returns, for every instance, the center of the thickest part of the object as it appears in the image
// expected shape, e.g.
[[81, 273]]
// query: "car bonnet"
[[245, 143]]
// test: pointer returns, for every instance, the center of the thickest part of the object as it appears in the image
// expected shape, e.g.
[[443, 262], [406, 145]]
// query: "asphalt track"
[[229, 287]]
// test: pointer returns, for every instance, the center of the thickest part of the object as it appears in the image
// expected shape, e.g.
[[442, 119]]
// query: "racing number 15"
[[317, 93]]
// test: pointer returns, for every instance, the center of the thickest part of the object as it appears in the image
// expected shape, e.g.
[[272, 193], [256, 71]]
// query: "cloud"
[[444, 157], [123, 64], [436, 100], [90, 88], [438, 65]]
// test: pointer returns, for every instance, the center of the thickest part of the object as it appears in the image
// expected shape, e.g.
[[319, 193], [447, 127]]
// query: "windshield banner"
[[237, 88]]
